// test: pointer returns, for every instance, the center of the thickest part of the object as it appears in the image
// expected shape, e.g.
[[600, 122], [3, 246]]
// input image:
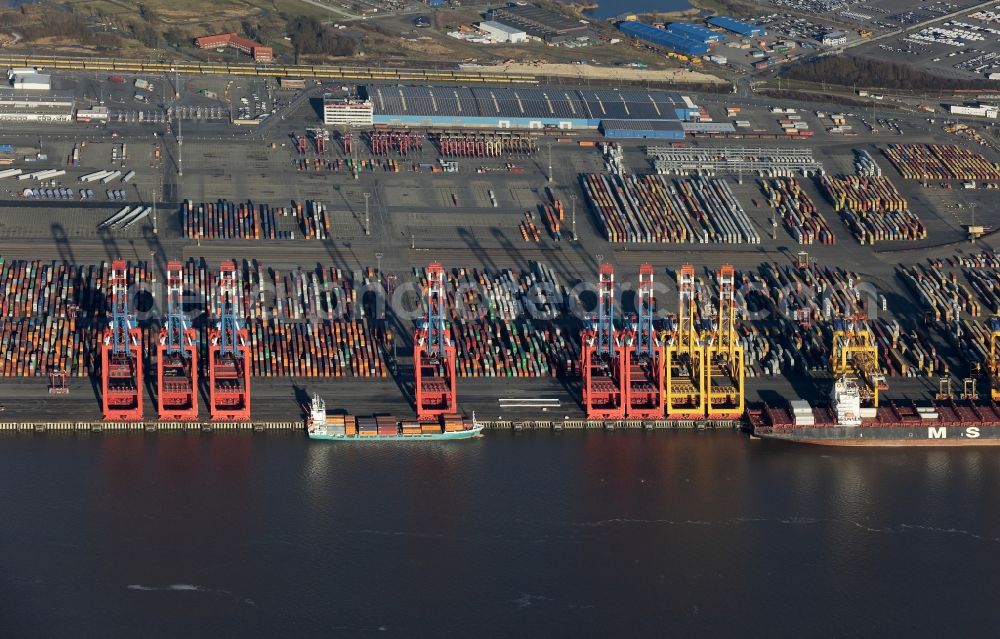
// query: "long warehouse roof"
[[526, 102]]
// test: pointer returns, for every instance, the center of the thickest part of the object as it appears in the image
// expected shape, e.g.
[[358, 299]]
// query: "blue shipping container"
[[6, 148], [663, 38]]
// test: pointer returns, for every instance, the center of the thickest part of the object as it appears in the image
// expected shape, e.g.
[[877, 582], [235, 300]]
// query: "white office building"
[[349, 112]]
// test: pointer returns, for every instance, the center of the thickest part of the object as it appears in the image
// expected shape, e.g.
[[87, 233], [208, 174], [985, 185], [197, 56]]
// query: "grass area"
[[297, 8], [93, 7]]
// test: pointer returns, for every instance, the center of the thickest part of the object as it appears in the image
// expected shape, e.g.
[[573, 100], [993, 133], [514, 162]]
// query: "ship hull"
[[423, 437], [936, 436]]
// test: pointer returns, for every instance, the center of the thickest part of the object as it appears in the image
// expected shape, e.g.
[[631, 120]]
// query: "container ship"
[[845, 423], [385, 428]]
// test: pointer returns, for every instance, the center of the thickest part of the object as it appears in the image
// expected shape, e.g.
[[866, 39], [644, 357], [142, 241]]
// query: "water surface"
[[623, 534]]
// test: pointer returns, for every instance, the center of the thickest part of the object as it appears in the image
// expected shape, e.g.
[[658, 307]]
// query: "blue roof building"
[[694, 31], [745, 29], [663, 38]]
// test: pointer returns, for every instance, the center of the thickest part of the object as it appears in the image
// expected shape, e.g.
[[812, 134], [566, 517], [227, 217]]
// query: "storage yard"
[[329, 235]]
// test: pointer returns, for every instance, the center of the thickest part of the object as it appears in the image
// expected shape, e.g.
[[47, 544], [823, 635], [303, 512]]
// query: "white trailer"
[[10, 173], [51, 173], [92, 177], [110, 176], [128, 176]]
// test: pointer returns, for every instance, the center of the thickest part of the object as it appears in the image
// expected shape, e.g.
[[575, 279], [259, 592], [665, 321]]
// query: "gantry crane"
[[724, 372], [177, 355], [645, 356], [434, 353], [228, 354], [121, 355], [603, 356], [684, 366], [854, 355], [994, 367]]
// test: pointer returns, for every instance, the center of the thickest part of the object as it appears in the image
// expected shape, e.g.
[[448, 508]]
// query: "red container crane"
[[603, 357], [121, 356], [434, 353], [177, 355], [646, 356], [228, 355]]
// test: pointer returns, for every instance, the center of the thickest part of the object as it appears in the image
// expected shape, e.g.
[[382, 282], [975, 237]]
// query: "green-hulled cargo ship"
[[346, 428]]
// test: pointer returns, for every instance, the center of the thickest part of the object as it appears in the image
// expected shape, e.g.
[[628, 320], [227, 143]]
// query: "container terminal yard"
[[181, 270]]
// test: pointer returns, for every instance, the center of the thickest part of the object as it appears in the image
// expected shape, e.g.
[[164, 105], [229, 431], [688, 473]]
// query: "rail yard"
[[190, 271]]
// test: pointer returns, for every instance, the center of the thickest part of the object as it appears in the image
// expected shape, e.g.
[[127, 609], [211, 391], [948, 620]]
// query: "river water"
[[572, 534], [612, 8]]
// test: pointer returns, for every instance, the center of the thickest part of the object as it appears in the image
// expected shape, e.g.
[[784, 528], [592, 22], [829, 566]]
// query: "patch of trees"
[[60, 24], [310, 37], [867, 72], [821, 98]]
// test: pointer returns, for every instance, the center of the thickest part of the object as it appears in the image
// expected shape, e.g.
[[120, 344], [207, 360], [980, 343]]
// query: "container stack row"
[[314, 220], [300, 323], [873, 209], [506, 324], [653, 208], [797, 210], [528, 228], [940, 293], [235, 220], [315, 349], [228, 220], [940, 162]]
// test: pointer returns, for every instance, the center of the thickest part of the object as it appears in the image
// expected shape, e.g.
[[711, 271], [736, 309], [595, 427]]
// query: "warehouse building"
[[259, 52], [663, 38], [29, 80], [541, 107], [291, 84], [979, 110], [635, 129], [547, 25], [93, 114], [694, 31], [19, 106], [834, 39], [502, 32], [346, 111], [744, 29]]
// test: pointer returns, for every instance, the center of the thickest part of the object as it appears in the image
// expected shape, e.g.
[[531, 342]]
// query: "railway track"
[[319, 72]]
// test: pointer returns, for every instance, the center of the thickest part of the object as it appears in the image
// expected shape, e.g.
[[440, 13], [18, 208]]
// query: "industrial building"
[[547, 25], [93, 114], [744, 29], [694, 31], [502, 32], [19, 106], [654, 129], [29, 80], [259, 52], [525, 107], [834, 39], [978, 110], [291, 84], [346, 111], [663, 38]]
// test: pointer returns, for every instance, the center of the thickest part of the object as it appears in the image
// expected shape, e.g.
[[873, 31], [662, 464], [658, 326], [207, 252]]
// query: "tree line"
[[868, 72]]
